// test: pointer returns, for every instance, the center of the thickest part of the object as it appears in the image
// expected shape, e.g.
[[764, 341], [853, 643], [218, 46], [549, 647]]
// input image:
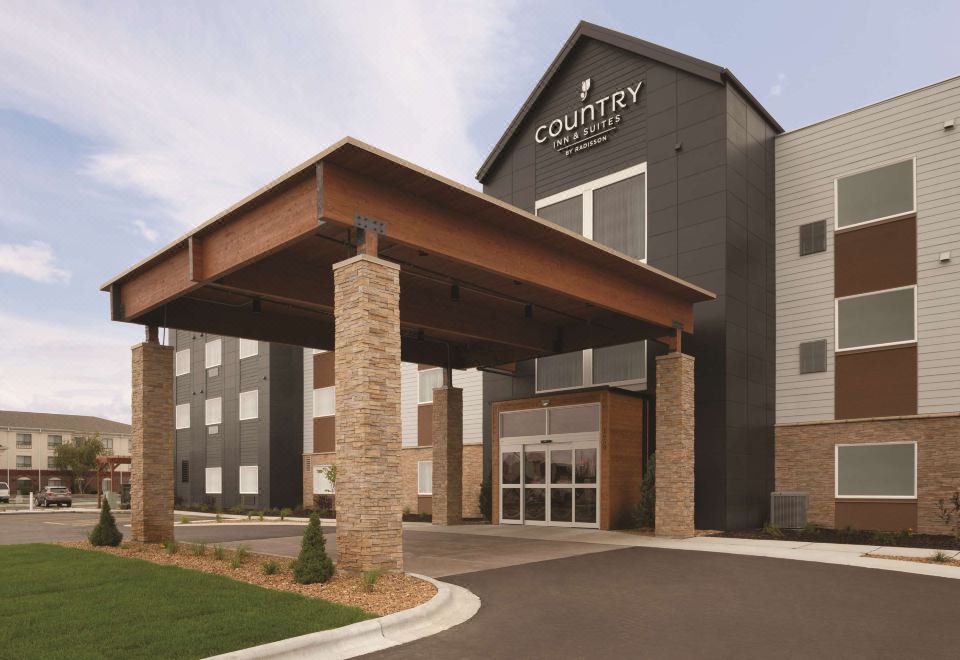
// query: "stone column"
[[675, 416], [447, 456], [367, 422], [151, 445]]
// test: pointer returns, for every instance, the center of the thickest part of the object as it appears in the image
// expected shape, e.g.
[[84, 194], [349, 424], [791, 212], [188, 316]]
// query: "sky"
[[124, 124]]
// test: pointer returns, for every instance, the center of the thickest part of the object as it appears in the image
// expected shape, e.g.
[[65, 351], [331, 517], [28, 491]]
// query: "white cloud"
[[197, 106], [146, 231], [35, 261], [66, 368], [781, 83]]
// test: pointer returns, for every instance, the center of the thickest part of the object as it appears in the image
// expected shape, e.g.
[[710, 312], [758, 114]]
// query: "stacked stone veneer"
[[805, 460], [447, 456], [675, 445], [367, 365], [151, 445]]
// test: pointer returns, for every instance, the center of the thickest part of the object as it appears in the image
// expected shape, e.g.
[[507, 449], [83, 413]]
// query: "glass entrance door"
[[549, 484]]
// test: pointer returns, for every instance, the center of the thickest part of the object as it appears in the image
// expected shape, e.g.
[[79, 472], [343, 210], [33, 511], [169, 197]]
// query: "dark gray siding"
[[708, 223]]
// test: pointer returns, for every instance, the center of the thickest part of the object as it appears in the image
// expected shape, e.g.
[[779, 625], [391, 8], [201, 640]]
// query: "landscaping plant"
[[171, 546], [184, 520], [939, 556], [270, 567], [486, 499], [772, 531], [313, 565], [285, 513], [218, 552], [370, 579], [241, 553], [949, 512], [199, 549], [646, 512], [106, 532]]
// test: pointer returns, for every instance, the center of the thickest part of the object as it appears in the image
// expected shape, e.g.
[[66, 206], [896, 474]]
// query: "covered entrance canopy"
[[359, 251], [483, 282]]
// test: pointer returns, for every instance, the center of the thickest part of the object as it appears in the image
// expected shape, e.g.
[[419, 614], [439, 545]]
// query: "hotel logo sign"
[[590, 124]]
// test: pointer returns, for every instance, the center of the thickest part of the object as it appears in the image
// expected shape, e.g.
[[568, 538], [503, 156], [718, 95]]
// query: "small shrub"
[[105, 533], [407, 511], [241, 553], [313, 564], [940, 557], [884, 538], [184, 520], [171, 546], [250, 515], [260, 516], [219, 518], [811, 529], [486, 499], [236, 510], [270, 567], [291, 564], [235, 562], [772, 531], [199, 549], [905, 534], [645, 514], [370, 579], [218, 552], [285, 513]]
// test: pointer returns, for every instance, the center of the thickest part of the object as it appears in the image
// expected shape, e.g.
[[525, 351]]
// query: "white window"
[[324, 401], [429, 379], [212, 477], [214, 411], [881, 193], [249, 479], [885, 470], [424, 477], [611, 210], [213, 355], [249, 348], [250, 404], [881, 318], [183, 362], [183, 416], [321, 482]]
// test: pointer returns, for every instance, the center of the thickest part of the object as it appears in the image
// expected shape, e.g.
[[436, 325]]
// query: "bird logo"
[[584, 89]]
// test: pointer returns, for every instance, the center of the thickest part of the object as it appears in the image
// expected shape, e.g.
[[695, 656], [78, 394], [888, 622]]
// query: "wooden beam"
[[420, 223]]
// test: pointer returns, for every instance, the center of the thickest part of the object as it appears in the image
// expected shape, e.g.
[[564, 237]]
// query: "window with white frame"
[[183, 416], [428, 379], [880, 318], [249, 479], [24, 461], [24, 440], [249, 348], [214, 353], [611, 210], [54, 441], [325, 401], [213, 480], [214, 411], [885, 470], [321, 480], [108, 444], [881, 193], [250, 404], [182, 362], [424, 477]]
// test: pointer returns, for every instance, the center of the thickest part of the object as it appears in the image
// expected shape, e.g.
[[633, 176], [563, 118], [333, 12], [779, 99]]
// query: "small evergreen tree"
[[486, 499], [646, 513], [313, 565], [106, 532]]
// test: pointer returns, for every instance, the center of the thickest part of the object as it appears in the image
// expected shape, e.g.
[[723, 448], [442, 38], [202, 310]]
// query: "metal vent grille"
[[248, 500], [813, 238], [788, 510], [813, 356]]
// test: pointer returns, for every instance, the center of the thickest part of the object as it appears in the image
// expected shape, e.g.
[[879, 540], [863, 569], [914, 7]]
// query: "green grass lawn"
[[59, 602]]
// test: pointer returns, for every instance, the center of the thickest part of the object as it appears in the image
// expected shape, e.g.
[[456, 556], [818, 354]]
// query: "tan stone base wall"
[[472, 476], [805, 460]]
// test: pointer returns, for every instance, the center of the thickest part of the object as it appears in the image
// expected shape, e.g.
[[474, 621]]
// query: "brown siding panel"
[[876, 383], [890, 516], [875, 257], [425, 504], [425, 425], [324, 436], [323, 375]]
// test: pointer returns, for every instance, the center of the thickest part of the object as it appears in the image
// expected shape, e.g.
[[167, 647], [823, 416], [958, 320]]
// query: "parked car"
[[58, 495], [4, 492]]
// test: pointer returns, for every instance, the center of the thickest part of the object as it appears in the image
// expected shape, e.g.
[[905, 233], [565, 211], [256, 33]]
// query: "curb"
[[451, 606]]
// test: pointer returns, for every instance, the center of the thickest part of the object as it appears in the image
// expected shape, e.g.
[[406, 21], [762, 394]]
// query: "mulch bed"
[[921, 560], [392, 592], [905, 538]]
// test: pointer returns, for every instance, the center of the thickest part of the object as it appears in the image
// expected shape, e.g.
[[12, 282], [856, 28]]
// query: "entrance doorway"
[[552, 478]]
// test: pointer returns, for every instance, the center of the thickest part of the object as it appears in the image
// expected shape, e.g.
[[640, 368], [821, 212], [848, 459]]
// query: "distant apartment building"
[[238, 421], [417, 383], [29, 440], [868, 307]]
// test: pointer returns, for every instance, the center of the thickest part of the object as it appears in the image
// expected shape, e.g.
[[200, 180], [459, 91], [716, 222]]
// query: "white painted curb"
[[451, 606]]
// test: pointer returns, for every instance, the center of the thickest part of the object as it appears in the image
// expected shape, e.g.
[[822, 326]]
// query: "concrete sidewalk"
[[828, 553]]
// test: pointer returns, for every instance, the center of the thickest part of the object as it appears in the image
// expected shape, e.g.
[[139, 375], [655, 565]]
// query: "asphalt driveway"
[[651, 603]]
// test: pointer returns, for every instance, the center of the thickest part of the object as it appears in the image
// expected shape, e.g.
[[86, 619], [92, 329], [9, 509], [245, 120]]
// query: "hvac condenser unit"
[[788, 510]]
